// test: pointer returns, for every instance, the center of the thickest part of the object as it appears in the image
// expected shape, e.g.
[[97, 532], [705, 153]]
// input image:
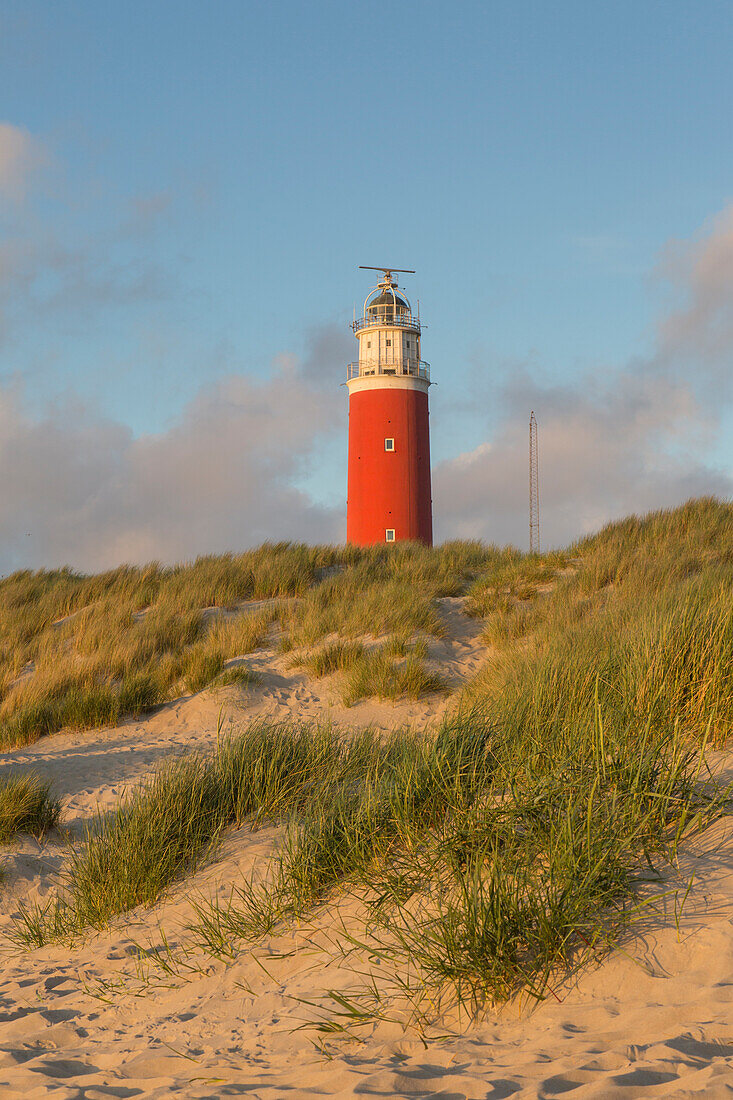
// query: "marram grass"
[[392, 670], [86, 651], [515, 842], [26, 806], [378, 673], [167, 826]]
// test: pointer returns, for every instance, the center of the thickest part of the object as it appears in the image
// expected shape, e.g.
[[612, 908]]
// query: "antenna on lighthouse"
[[534, 487], [387, 271]]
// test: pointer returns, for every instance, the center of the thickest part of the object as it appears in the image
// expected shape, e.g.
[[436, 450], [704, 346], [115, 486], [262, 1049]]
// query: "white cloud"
[[604, 452], [696, 339], [621, 440], [80, 489]]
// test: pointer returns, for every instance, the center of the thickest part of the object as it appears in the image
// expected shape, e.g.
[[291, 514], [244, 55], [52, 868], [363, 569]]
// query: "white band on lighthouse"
[[387, 382]]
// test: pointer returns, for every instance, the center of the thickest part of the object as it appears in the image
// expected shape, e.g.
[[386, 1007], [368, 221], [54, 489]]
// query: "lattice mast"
[[534, 487]]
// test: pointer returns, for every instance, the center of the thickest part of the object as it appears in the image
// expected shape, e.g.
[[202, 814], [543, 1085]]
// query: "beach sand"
[[654, 1019]]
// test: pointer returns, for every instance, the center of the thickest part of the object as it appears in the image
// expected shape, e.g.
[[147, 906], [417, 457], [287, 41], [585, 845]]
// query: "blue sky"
[[208, 177]]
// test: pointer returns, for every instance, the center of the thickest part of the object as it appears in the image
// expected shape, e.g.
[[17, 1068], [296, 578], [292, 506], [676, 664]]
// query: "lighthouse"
[[389, 438]]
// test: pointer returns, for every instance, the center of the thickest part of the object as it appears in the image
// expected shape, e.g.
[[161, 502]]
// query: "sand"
[[652, 1020]]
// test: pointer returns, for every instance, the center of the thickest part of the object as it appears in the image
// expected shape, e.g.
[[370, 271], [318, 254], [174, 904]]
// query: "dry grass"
[[392, 670], [86, 651], [26, 806], [239, 675], [107, 661], [509, 846], [335, 657], [377, 673]]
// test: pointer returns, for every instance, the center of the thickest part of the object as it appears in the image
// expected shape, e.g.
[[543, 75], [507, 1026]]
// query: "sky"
[[187, 190]]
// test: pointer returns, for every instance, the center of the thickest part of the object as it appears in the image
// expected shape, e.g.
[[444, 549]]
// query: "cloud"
[[629, 445], [329, 347], [51, 265], [80, 489], [42, 280], [20, 156], [696, 339], [619, 441]]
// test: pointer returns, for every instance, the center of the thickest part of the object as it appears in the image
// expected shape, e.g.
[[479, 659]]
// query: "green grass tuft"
[[376, 673], [26, 806], [241, 675], [166, 827], [336, 657], [202, 669]]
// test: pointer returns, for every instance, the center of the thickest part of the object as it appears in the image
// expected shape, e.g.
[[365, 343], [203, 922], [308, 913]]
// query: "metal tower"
[[534, 488]]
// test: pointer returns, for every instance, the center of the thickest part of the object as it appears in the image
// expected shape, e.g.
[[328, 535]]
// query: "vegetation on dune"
[[26, 806], [519, 839], [392, 670], [518, 579], [167, 826], [378, 673], [583, 738], [390, 590], [335, 657], [240, 675], [68, 662], [87, 651], [643, 626]]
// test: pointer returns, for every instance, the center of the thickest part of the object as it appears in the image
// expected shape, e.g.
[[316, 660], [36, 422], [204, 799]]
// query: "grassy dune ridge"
[[87, 651], [513, 843]]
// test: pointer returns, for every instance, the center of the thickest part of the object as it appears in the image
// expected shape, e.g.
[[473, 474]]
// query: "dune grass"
[[268, 773], [240, 675], [201, 669], [377, 673], [335, 657], [87, 651], [518, 840], [390, 590], [518, 895], [493, 857], [391, 670], [520, 579], [167, 826], [26, 806], [105, 664]]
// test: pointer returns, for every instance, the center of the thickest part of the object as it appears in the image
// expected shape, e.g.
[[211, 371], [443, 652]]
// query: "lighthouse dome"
[[386, 307], [387, 298], [385, 304]]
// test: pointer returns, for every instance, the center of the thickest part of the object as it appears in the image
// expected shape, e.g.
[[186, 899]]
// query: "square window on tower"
[[389, 534], [389, 444]]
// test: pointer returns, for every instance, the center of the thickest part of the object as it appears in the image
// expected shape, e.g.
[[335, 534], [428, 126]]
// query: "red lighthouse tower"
[[389, 439]]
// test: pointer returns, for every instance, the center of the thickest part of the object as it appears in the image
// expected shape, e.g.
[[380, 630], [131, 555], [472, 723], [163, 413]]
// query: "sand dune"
[[653, 1020]]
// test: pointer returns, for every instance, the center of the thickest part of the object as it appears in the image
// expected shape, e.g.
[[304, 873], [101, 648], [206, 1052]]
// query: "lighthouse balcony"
[[414, 368], [387, 318]]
